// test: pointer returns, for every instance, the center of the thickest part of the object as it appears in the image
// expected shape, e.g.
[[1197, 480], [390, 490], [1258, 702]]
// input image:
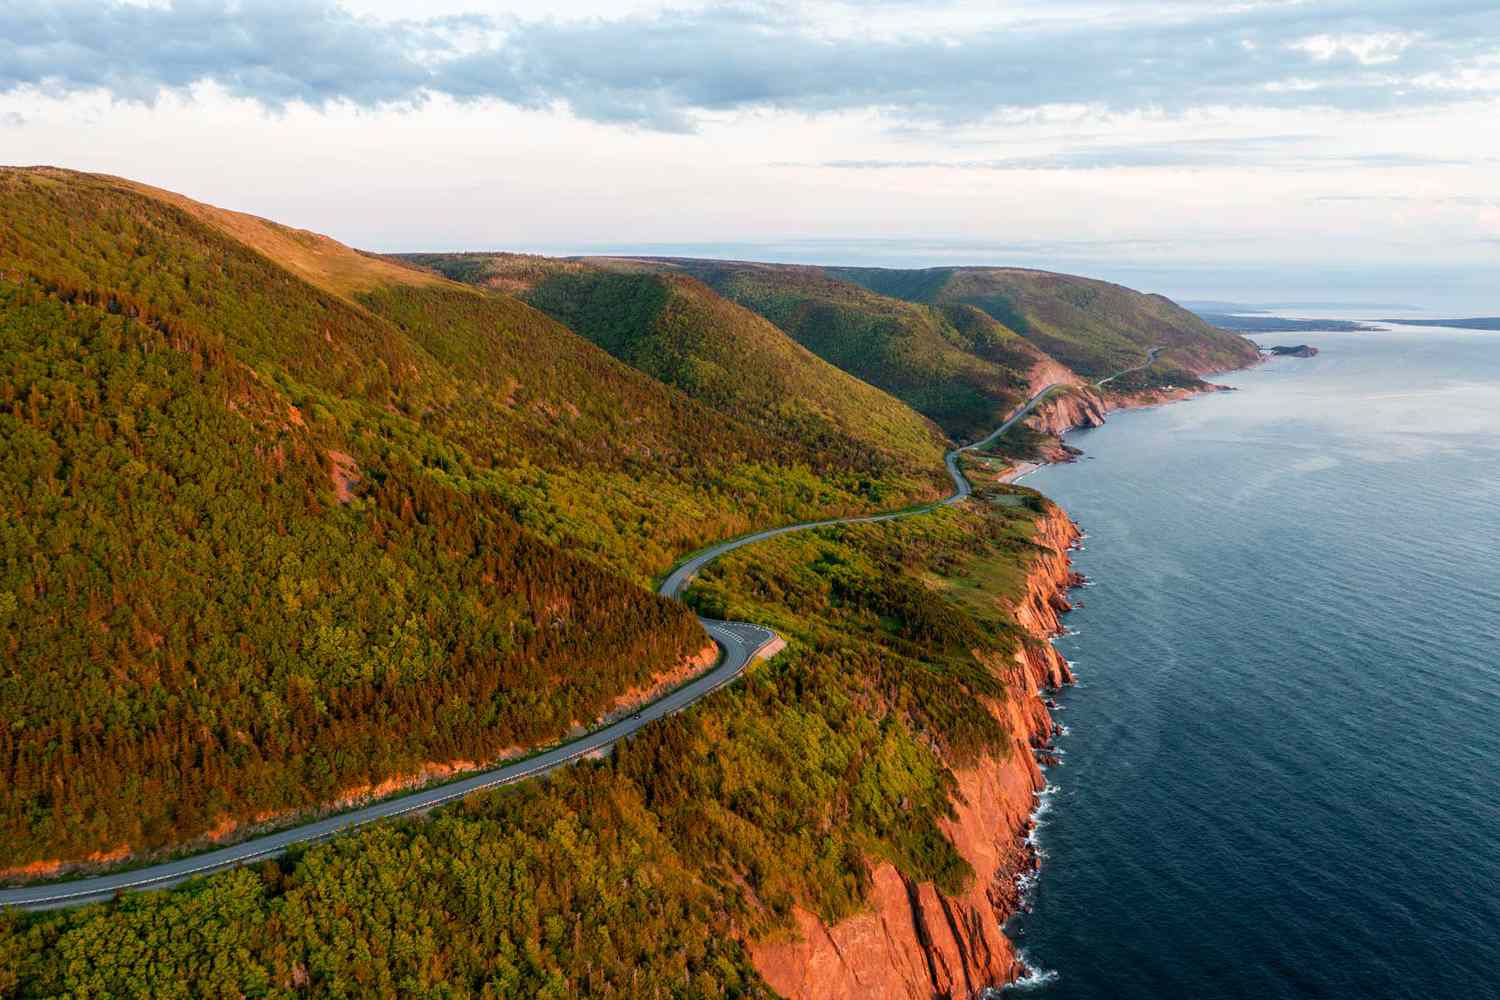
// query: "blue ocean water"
[[1282, 769]]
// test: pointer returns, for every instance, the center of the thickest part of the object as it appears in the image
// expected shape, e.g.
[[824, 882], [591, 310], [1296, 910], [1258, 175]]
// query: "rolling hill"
[[286, 522], [954, 365], [680, 332], [1094, 327]]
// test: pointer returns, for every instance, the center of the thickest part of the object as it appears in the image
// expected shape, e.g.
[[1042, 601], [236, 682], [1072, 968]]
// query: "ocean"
[[1281, 772]]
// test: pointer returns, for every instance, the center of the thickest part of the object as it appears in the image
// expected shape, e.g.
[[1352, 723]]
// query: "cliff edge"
[[913, 941]]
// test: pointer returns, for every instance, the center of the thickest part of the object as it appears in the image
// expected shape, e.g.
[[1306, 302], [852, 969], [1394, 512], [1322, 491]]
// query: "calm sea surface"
[[1282, 772]]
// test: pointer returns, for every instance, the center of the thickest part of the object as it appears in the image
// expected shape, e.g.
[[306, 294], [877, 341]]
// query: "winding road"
[[1150, 360], [740, 642]]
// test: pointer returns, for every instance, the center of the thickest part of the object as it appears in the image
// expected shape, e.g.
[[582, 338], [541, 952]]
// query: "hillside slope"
[[279, 521], [679, 331], [955, 365], [285, 522], [862, 796], [1094, 327]]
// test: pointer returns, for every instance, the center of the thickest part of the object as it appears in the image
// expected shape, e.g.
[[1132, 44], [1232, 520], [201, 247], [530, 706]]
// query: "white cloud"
[[1136, 142], [671, 69], [1368, 49]]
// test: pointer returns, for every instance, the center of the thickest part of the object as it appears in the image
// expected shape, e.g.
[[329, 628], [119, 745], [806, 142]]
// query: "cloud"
[[273, 52], [11, 119], [1269, 150], [1463, 201], [670, 69]]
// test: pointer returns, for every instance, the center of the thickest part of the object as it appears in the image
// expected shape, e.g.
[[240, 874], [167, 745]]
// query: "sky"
[[1285, 151]]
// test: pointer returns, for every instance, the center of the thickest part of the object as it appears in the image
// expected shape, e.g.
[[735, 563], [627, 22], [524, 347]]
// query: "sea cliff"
[[1077, 406], [913, 941]]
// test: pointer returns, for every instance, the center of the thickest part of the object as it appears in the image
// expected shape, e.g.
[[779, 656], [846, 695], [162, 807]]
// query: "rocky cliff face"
[[914, 942], [1079, 407], [1087, 407], [1055, 416]]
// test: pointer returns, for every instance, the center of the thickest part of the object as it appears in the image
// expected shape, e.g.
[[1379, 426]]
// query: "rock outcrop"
[[1063, 412], [913, 941]]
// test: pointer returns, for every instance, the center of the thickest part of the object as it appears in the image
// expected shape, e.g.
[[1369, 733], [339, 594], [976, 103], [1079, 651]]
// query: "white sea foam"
[[1035, 975], [1043, 807], [1063, 730]]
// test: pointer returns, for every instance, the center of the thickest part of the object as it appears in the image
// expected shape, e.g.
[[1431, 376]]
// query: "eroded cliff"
[[1062, 412], [913, 941]]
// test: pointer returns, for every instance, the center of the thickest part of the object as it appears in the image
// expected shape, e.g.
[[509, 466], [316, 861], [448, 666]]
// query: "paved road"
[[1150, 360], [740, 642]]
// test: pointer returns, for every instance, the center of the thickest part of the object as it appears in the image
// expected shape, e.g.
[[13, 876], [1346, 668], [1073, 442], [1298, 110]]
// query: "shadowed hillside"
[[679, 331], [955, 365]]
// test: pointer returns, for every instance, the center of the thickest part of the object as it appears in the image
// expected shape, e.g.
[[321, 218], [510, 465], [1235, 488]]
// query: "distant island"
[[1479, 323], [1300, 351], [1201, 306]]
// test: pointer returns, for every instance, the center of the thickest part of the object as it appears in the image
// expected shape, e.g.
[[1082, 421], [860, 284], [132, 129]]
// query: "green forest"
[[1096, 328], [643, 874], [284, 520], [966, 379], [266, 542]]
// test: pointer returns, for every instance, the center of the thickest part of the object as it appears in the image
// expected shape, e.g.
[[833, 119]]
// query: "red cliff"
[[1063, 412], [913, 941]]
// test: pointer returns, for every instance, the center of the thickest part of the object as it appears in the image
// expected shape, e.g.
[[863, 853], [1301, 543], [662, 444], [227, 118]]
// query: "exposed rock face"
[[1081, 407], [914, 942]]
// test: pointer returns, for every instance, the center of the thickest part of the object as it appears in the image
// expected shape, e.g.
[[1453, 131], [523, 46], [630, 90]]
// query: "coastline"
[[919, 942], [740, 642], [914, 942]]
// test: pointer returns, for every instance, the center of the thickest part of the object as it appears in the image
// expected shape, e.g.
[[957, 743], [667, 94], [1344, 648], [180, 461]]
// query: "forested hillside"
[[957, 366], [1094, 327], [283, 520], [677, 330], [963, 346], [644, 873]]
